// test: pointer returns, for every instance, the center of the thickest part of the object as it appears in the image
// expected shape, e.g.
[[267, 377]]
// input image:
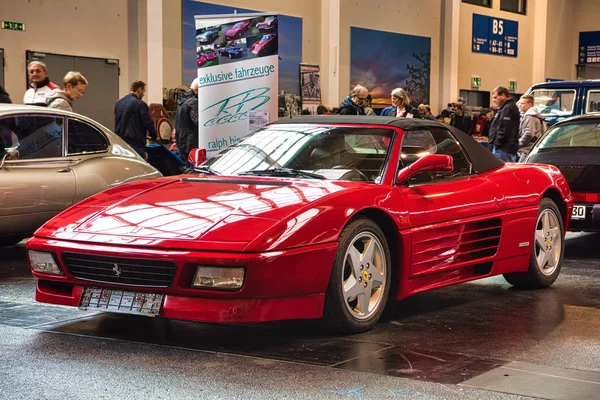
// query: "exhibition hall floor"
[[471, 341]]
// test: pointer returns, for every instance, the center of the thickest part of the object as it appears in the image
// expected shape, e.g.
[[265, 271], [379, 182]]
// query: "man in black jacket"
[[504, 130], [132, 119], [461, 121], [186, 124]]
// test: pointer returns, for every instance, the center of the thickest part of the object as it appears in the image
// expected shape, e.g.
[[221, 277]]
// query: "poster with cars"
[[289, 39], [310, 86], [237, 61]]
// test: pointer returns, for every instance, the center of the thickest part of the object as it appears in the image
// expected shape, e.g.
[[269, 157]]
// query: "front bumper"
[[288, 284]]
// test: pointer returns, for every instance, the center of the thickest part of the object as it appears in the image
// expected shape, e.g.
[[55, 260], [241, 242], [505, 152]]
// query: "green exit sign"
[[475, 82], [512, 86], [13, 26]]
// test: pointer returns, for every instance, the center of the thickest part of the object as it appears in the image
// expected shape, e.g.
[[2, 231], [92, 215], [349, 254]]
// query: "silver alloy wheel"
[[548, 242], [364, 275]]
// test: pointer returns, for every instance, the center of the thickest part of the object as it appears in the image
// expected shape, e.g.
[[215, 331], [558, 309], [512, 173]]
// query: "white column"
[[449, 52], [330, 45], [154, 85], [539, 41]]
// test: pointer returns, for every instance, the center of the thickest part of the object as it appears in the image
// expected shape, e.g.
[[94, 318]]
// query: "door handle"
[[64, 170]]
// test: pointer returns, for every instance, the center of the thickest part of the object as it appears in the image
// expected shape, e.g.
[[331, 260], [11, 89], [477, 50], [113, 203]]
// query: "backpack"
[[544, 125], [478, 126]]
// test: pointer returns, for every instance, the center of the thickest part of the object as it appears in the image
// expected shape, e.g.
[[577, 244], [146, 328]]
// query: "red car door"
[[454, 217]]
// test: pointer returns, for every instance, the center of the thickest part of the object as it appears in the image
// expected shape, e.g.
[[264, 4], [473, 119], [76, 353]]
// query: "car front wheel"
[[359, 284], [547, 251]]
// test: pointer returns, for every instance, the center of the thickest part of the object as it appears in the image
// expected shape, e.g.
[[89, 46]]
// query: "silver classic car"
[[51, 159], [208, 36]]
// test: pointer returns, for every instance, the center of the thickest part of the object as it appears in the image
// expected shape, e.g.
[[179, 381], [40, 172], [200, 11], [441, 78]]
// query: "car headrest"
[[319, 157]]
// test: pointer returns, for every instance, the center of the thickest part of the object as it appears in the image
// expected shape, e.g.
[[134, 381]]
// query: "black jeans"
[[140, 150]]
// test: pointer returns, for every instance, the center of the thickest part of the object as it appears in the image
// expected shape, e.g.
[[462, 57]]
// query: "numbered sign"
[[495, 36]]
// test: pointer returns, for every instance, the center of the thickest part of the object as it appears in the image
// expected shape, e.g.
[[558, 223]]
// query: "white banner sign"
[[237, 62]]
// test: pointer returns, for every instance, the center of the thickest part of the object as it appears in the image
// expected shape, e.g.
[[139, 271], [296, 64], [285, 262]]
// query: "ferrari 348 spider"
[[323, 217], [236, 31]]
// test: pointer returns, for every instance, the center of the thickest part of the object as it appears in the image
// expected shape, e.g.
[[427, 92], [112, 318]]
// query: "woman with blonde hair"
[[400, 106]]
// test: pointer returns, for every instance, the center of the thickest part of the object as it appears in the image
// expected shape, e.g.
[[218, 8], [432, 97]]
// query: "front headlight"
[[44, 263], [218, 277]]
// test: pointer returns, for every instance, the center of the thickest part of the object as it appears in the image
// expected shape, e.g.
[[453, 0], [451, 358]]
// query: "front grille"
[[124, 271]]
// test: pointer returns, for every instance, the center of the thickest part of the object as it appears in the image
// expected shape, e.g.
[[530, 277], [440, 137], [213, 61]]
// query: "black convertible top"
[[481, 158]]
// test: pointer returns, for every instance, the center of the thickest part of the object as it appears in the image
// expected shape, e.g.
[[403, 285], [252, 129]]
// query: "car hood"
[[204, 209]]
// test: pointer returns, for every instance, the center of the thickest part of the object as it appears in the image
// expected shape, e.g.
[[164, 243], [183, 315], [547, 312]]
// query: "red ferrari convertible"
[[236, 31], [323, 217]]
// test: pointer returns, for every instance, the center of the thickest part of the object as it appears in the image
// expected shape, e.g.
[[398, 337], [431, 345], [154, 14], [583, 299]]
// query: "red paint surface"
[[284, 231]]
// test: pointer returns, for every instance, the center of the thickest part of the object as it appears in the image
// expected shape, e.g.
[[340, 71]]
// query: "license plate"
[[121, 301], [578, 212]]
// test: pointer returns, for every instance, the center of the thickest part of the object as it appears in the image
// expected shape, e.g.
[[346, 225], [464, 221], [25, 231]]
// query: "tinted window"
[[581, 134], [30, 137], [516, 6], [485, 3], [416, 144], [84, 138]]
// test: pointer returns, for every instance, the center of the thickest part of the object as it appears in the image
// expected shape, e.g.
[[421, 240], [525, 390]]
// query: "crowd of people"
[[511, 131]]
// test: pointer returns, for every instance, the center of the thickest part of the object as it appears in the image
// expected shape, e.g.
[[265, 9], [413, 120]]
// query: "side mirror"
[[428, 163], [197, 157]]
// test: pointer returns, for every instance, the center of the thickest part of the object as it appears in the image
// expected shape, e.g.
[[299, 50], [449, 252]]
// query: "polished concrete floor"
[[480, 340]]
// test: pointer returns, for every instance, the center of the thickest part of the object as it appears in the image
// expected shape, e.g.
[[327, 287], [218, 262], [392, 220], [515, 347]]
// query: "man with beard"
[[355, 102]]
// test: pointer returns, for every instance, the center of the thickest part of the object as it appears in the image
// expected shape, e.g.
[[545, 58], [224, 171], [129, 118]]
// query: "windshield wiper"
[[279, 171], [204, 169]]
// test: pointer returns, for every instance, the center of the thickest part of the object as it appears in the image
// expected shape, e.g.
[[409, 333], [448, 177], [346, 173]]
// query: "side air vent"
[[463, 244]]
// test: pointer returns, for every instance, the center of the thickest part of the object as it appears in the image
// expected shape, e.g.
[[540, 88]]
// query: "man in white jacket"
[[63, 99], [530, 128], [39, 84]]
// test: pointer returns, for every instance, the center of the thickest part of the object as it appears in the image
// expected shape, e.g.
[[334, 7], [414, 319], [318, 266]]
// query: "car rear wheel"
[[547, 251], [359, 284]]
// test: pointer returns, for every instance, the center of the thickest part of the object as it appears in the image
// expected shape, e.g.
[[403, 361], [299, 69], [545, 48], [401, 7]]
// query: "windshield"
[[343, 153], [238, 25], [580, 134], [266, 37], [553, 102]]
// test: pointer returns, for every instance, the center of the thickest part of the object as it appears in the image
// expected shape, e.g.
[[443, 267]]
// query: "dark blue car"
[[231, 52], [559, 100]]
